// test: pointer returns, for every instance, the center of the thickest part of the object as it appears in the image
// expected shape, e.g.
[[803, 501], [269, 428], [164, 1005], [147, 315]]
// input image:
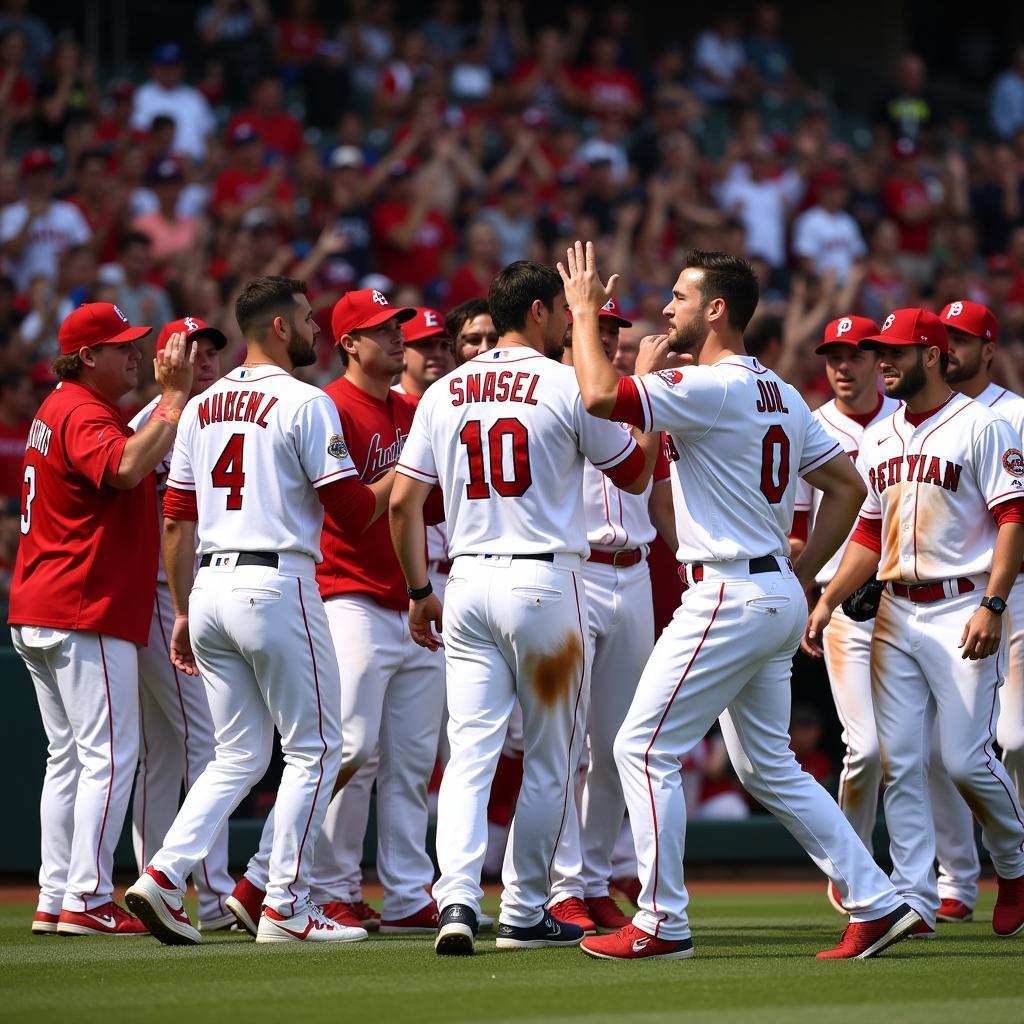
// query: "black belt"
[[766, 563], [267, 558], [547, 557]]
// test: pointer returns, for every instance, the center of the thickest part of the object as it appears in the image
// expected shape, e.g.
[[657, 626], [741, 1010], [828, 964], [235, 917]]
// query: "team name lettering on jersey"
[[380, 459], [922, 469], [771, 397], [494, 386], [39, 437], [237, 407]]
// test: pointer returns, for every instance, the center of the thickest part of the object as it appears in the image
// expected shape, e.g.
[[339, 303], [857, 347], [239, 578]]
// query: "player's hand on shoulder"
[[422, 616], [182, 657], [981, 635], [584, 290], [172, 367], [819, 618], [654, 354]]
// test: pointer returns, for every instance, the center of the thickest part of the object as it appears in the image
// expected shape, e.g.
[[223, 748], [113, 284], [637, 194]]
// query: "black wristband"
[[418, 593]]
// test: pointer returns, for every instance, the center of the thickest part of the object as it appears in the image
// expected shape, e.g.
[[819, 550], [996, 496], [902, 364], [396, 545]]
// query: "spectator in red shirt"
[[604, 86], [248, 181], [544, 80], [299, 34], [473, 279], [280, 132], [102, 201], [909, 202], [414, 240], [114, 128], [17, 405]]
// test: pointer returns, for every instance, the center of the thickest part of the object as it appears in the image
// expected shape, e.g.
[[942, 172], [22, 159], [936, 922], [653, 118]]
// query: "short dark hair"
[[131, 238], [516, 288], [265, 298], [458, 317], [767, 330], [726, 277]]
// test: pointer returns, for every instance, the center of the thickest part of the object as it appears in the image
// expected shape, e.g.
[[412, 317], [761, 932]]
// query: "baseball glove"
[[862, 604]]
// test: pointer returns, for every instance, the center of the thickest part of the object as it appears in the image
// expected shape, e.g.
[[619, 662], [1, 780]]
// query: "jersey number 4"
[[227, 471], [508, 486]]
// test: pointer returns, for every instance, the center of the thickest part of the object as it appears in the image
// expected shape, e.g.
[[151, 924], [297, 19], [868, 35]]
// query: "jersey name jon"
[[236, 406], [494, 386]]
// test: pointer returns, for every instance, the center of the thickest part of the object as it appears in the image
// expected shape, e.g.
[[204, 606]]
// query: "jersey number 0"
[[514, 486]]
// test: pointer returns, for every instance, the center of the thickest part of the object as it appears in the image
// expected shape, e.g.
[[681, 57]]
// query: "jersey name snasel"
[[500, 386], [922, 469], [235, 406]]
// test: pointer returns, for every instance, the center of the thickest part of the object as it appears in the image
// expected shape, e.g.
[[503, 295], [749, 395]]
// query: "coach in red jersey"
[[82, 597]]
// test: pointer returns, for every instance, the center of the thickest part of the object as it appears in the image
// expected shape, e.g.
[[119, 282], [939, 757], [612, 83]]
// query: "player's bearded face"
[[965, 358], [302, 343], [903, 372], [689, 334]]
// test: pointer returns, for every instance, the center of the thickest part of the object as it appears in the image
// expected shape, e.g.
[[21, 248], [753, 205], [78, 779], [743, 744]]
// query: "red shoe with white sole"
[[605, 914], [342, 913], [44, 924], [160, 904], [246, 903], [1008, 915], [630, 943], [368, 917], [953, 911], [108, 919], [574, 911], [865, 939], [922, 931], [420, 923]]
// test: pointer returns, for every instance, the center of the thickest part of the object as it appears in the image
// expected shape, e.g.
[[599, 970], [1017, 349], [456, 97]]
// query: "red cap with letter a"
[[363, 308], [611, 310], [191, 327], [971, 318], [427, 323], [97, 323], [847, 330], [910, 327]]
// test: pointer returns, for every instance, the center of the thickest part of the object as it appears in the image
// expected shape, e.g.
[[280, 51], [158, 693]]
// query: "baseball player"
[[853, 376], [258, 457], [742, 436], [471, 329], [617, 583], [175, 727], [392, 691], [505, 435], [81, 601], [942, 527], [973, 335]]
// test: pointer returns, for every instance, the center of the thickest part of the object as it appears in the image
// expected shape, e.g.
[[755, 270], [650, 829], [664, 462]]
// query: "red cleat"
[[368, 917], [246, 903], [605, 914], [630, 943], [922, 931], [342, 913], [630, 888], [44, 924], [574, 911], [865, 939], [832, 892], [1008, 916], [953, 911], [109, 919], [424, 920]]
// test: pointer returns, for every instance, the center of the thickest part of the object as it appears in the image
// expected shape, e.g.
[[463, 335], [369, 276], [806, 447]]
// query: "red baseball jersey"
[[88, 553], [375, 432]]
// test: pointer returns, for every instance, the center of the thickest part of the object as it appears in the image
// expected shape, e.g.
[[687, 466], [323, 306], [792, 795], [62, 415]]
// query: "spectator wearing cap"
[[140, 299], [17, 407], [471, 329], [428, 352], [914, 203], [35, 231], [281, 133], [249, 182], [473, 279], [825, 237], [169, 231], [103, 202], [167, 93]]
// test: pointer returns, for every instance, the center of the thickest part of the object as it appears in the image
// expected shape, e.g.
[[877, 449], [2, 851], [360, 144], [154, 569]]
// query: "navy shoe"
[[547, 932], [456, 931]]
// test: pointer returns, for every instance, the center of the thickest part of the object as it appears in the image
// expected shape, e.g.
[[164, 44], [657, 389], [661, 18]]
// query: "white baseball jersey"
[[1005, 402], [140, 419], [261, 441], [615, 518], [741, 437], [848, 432], [933, 488], [506, 435]]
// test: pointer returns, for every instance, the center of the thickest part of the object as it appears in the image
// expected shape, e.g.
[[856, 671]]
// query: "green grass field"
[[754, 963]]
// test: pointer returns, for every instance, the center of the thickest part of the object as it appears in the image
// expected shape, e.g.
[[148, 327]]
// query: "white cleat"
[[310, 924], [160, 906]]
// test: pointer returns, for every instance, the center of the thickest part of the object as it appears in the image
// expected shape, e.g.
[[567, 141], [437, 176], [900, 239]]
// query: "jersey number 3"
[[514, 486], [774, 474], [227, 471]]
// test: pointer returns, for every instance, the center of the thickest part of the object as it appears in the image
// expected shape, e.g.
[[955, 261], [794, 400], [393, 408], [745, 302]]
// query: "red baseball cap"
[[97, 323], [426, 323], [611, 310], [972, 318], [910, 327], [38, 159], [362, 308], [847, 330], [192, 327]]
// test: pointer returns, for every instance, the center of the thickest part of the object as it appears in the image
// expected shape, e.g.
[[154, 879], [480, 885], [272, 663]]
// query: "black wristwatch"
[[418, 593], [995, 605]]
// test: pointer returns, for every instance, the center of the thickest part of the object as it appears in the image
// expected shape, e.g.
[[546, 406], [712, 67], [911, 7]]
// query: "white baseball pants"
[[847, 647], [727, 652], [621, 624], [512, 628], [87, 686], [920, 678], [261, 641], [175, 745]]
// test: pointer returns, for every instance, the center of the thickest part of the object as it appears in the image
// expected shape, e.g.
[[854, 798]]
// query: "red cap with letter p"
[[364, 308], [97, 323], [972, 318], [191, 327], [847, 330], [910, 327]]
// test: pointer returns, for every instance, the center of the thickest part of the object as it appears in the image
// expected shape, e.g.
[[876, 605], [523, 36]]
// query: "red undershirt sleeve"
[[628, 407], [348, 502], [433, 508], [868, 533], [180, 505], [626, 472], [801, 521], [1008, 511]]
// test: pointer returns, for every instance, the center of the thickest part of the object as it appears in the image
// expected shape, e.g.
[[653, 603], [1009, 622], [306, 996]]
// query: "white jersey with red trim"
[[1005, 402], [741, 437], [140, 419], [933, 487], [848, 432], [506, 435], [615, 518], [254, 447]]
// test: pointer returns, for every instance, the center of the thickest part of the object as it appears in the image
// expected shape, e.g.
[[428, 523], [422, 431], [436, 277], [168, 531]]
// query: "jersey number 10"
[[515, 486]]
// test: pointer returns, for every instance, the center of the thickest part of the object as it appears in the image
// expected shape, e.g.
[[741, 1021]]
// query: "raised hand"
[[584, 290]]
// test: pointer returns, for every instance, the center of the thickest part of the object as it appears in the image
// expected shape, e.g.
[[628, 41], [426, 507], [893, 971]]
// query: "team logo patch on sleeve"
[[337, 447], [1013, 462], [670, 377]]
